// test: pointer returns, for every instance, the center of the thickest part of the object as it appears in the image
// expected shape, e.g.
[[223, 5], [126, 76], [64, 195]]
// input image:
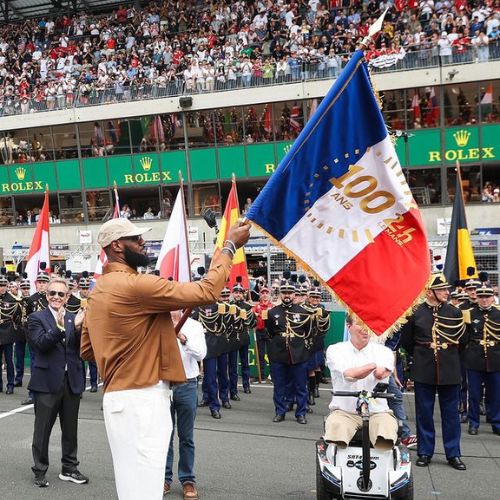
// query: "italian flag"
[[231, 215], [40, 246]]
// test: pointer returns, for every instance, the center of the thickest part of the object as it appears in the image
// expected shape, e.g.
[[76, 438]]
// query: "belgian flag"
[[460, 263]]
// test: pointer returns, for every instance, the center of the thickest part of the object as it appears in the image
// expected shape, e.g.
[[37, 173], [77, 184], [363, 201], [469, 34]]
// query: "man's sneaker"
[[40, 481], [189, 491], [410, 441], [74, 476]]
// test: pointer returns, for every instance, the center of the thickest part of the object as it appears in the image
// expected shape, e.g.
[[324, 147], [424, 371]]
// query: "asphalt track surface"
[[243, 456]]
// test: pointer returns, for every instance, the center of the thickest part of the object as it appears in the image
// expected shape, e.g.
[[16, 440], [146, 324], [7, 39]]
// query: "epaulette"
[[466, 315]]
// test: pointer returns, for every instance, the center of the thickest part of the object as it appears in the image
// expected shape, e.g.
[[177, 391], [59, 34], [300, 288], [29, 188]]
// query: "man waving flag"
[[340, 205]]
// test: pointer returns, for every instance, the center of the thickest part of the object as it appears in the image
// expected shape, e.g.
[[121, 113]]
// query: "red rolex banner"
[[40, 245], [231, 215]]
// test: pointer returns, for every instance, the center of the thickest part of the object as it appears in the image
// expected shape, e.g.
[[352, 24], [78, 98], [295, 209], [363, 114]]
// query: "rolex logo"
[[287, 148], [461, 138], [146, 163], [20, 173]]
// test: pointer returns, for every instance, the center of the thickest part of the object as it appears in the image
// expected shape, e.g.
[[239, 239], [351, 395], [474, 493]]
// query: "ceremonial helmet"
[[315, 290], [225, 292], [238, 287], [472, 284], [3, 277], [42, 274], [454, 295], [25, 282], [484, 291], [439, 282], [287, 285], [84, 281]]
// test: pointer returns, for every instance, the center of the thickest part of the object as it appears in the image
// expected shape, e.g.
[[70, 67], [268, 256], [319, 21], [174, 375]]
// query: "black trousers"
[[48, 406]]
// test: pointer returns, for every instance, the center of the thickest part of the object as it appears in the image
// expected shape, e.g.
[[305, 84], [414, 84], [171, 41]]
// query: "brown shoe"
[[166, 488], [189, 491]]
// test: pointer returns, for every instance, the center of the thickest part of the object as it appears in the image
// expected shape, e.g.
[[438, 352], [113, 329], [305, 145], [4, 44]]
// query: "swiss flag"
[[40, 246], [173, 261]]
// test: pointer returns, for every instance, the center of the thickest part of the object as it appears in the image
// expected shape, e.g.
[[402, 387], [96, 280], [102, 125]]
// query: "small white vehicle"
[[359, 471]]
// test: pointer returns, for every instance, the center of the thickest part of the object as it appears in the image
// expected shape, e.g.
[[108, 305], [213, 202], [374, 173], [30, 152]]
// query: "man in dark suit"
[[56, 382]]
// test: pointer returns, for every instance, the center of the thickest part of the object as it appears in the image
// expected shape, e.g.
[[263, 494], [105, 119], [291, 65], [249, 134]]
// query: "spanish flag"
[[460, 263], [231, 215]]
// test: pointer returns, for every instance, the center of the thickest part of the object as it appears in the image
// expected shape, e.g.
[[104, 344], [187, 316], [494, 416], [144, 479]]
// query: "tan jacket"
[[128, 330]]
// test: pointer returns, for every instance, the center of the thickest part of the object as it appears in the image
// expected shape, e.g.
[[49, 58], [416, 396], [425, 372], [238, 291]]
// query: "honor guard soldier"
[[434, 335], [37, 302], [289, 327], [243, 320], [20, 346], [468, 302], [320, 319], [216, 322], [10, 323], [84, 290], [261, 310], [482, 359]]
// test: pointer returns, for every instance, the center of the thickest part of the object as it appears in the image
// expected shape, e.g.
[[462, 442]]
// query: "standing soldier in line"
[[261, 310], [215, 320], [482, 359], [320, 325], [243, 320], [289, 327], [466, 306], [21, 342], [434, 336], [35, 303], [10, 322]]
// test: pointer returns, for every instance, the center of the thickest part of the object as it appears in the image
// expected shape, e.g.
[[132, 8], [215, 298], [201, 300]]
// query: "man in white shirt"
[[193, 348], [357, 365]]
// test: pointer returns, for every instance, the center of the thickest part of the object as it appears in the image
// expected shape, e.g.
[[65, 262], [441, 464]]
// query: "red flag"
[[231, 215], [415, 105], [40, 245], [173, 261], [267, 119], [103, 259]]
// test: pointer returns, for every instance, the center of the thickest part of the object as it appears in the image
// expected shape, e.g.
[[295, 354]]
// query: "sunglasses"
[[53, 293]]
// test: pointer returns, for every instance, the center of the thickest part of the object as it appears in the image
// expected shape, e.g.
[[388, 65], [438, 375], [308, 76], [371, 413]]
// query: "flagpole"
[[48, 233]]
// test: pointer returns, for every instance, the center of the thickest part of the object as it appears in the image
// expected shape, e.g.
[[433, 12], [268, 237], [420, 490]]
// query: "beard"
[[286, 301], [135, 259]]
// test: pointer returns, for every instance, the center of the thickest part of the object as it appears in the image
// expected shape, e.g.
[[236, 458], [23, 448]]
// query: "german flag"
[[231, 215], [460, 263]]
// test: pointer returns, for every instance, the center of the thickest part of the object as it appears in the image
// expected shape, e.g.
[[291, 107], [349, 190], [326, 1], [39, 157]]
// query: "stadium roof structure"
[[12, 10]]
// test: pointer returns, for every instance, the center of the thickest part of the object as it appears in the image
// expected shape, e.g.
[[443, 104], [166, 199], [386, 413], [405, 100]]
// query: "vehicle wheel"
[[321, 492]]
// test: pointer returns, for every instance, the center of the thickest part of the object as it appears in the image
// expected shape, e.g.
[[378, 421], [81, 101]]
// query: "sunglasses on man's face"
[[53, 293], [132, 238]]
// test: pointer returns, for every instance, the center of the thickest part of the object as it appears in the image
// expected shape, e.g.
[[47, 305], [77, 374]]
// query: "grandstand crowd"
[[174, 47]]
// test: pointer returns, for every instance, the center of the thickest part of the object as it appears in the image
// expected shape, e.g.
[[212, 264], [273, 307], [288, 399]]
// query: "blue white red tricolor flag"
[[339, 203]]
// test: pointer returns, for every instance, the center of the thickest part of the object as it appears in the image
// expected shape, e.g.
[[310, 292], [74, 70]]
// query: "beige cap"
[[115, 229]]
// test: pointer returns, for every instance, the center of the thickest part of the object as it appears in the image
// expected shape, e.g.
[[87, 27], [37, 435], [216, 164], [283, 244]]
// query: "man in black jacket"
[[434, 336], [56, 382]]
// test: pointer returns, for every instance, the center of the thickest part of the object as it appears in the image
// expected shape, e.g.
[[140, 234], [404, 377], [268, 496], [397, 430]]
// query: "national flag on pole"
[[460, 262], [487, 100], [231, 215], [103, 259], [40, 245], [173, 260], [415, 105], [340, 205]]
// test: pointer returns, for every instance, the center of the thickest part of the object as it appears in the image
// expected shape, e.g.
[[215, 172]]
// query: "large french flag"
[[173, 260], [339, 203], [230, 217], [103, 259], [40, 245]]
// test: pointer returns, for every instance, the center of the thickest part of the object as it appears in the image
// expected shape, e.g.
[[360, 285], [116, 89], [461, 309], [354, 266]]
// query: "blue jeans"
[[7, 350], [396, 404], [183, 409]]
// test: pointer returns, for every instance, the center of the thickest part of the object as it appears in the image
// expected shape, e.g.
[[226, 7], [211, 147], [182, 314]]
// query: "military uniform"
[[482, 361], [216, 322], [10, 323], [434, 335], [20, 346], [261, 311], [289, 327], [243, 320]]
